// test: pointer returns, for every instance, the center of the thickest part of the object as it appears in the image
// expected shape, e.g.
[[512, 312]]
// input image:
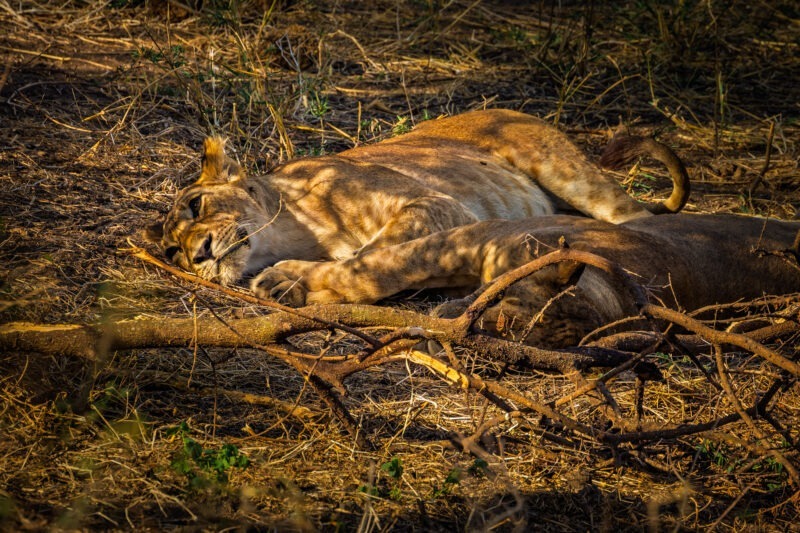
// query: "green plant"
[[453, 478], [777, 477], [204, 467], [718, 454], [318, 104], [643, 185], [369, 128], [312, 151], [401, 126], [387, 489], [774, 477], [670, 361], [394, 468], [478, 468], [744, 206], [173, 56]]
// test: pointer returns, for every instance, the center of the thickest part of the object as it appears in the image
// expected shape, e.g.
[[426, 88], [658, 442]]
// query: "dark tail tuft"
[[622, 150], [625, 149]]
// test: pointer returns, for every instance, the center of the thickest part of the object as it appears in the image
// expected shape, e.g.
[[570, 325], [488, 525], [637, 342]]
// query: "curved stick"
[[723, 337], [496, 287]]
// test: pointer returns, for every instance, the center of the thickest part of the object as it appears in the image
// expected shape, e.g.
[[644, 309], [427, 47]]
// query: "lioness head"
[[547, 309], [215, 224]]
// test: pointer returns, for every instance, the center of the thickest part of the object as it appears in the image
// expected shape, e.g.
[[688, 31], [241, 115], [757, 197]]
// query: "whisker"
[[238, 243]]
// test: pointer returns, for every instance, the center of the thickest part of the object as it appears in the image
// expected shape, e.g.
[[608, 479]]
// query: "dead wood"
[[634, 341], [727, 386], [723, 337], [490, 293]]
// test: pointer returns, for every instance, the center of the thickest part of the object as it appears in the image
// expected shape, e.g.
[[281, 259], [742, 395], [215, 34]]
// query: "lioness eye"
[[171, 251], [194, 206]]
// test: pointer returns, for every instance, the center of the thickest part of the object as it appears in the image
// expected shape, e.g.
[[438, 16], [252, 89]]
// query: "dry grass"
[[102, 109]]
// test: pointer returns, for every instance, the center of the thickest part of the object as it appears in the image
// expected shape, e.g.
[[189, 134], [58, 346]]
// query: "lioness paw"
[[273, 284]]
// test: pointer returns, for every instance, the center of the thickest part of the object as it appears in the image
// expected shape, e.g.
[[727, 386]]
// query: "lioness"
[[445, 173], [684, 260]]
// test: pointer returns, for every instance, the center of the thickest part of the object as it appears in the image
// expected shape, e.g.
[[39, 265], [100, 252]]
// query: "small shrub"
[[204, 467]]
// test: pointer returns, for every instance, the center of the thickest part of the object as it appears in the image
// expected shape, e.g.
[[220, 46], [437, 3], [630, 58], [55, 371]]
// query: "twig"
[[671, 432], [723, 337], [760, 177], [142, 254], [323, 389], [737, 406], [341, 33], [474, 382], [497, 286], [295, 411], [591, 384]]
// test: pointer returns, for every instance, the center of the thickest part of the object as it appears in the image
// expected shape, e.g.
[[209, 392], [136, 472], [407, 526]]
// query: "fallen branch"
[[266, 332], [497, 286], [634, 341], [727, 386], [142, 254], [354, 316], [723, 337]]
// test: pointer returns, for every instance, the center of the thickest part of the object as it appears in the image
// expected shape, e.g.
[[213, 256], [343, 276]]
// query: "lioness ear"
[[569, 272], [216, 166], [153, 233]]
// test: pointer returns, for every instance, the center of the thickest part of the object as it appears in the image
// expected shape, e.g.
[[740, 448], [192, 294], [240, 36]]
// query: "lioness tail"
[[624, 149]]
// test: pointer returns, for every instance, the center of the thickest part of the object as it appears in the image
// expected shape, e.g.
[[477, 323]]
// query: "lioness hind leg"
[[420, 217]]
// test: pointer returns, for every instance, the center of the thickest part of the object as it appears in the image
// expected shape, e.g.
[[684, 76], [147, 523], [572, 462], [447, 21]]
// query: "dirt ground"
[[103, 107]]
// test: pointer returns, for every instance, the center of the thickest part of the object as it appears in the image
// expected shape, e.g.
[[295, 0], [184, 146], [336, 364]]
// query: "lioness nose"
[[204, 252]]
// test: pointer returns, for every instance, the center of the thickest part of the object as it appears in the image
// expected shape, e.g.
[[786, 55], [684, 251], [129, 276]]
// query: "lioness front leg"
[[434, 261], [421, 217]]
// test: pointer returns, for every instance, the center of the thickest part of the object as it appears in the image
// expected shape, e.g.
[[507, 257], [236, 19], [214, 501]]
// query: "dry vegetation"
[[103, 106]]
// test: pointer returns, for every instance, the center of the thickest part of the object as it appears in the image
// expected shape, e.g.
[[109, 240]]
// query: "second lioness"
[[684, 260], [445, 173]]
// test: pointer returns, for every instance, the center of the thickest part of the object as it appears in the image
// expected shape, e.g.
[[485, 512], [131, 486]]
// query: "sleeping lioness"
[[684, 260], [446, 173]]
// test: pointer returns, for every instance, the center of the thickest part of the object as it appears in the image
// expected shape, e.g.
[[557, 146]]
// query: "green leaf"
[[454, 477], [181, 466], [180, 429], [394, 467], [478, 467], [194, 450]]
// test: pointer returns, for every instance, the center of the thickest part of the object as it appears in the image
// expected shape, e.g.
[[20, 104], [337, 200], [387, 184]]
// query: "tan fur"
[[685, 261], [444, 174]]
